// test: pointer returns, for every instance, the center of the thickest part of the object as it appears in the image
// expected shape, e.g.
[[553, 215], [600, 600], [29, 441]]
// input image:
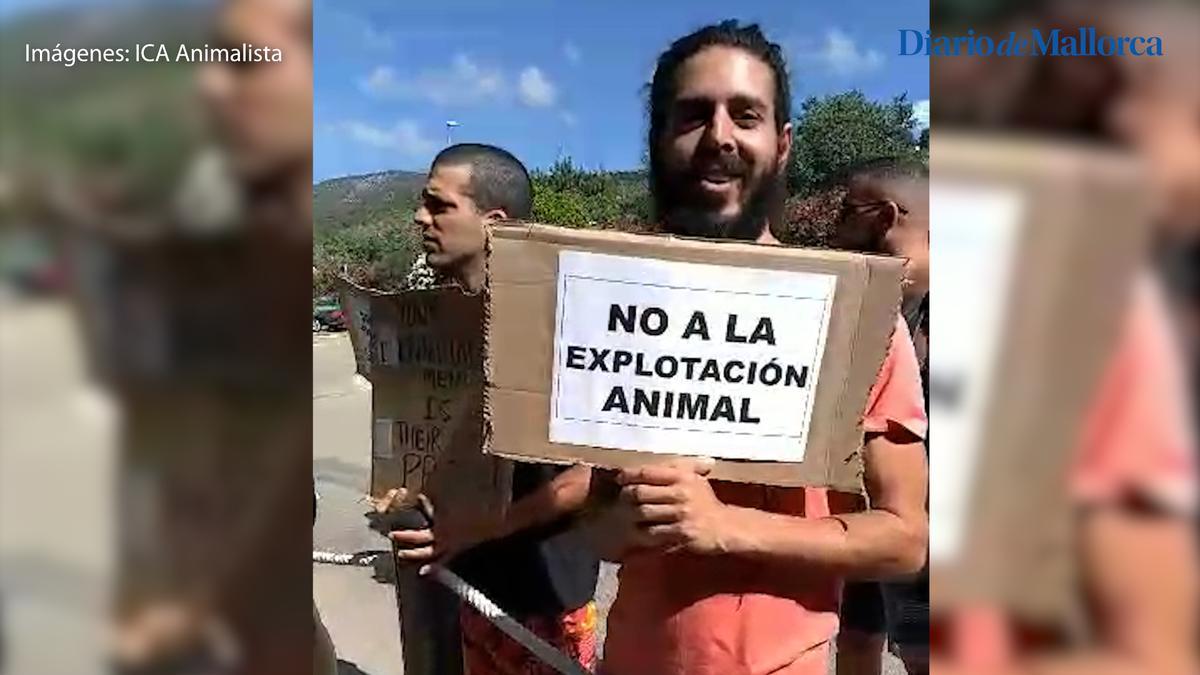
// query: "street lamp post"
[[450, 124]]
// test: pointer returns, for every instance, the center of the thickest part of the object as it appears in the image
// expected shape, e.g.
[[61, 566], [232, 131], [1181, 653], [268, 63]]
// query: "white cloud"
[[404, 137], [535, 90], [374, 38], [921, 112], [569, 118], [840, 54], [464, 82], [357, 31], [381, 82], [572, 52], [844, 56]]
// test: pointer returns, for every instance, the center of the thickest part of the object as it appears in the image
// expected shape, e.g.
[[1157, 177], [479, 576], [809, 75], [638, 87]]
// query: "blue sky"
[[548, 78]]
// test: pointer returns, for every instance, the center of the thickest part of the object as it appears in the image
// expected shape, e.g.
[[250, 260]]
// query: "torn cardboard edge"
[[523, 259]]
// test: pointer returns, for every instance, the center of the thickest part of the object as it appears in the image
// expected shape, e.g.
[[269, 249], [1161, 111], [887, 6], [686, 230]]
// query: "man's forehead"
[[450, 179], [868, 187], [720, 72]]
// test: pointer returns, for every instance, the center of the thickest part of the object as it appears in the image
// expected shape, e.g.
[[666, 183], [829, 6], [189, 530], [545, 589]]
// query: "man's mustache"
[[731, 166]]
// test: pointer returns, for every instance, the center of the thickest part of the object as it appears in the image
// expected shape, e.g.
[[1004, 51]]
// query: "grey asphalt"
[[57, 446]]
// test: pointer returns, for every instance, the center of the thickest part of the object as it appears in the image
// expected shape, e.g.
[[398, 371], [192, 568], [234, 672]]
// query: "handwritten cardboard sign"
[[423, 354]]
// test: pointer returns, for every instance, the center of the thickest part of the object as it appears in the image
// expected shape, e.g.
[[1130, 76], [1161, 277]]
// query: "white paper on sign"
[[686, 358], [382, 446], [974, 231]]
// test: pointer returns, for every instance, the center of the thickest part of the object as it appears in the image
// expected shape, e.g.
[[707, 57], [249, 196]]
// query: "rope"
[[476, 600], [363, 559], [510, 626]]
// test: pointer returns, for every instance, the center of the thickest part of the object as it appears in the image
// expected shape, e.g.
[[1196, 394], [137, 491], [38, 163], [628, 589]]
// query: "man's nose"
[[422, 218], [718, 133]]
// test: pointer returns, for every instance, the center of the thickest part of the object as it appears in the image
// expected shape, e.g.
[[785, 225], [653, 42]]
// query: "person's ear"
[[784, 147], [492, 216], [883, 220], [890, 215]]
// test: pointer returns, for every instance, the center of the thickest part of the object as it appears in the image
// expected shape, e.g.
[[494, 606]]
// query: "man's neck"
[[471, 274], [913, 245], [767, 237], [916, 286]]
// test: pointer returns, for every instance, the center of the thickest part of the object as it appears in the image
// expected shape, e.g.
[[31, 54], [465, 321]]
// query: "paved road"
[[359, 612], [56, 525]]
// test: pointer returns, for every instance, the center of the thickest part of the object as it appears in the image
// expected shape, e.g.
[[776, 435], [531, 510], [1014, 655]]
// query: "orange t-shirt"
[[1137, 438], [1136, 441], [682, 614]]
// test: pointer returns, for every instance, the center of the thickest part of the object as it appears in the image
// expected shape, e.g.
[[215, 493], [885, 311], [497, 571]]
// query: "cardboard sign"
[[1033, 246], [612, 349], [976, 229], [682, 358], [423, 353]]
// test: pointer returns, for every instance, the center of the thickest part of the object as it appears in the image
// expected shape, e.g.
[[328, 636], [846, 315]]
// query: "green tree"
[[378, 254], [574, 197], [837, 131]]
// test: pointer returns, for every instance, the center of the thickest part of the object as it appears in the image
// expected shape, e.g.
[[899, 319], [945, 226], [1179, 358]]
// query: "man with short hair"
[[886, 211], [722, 578], [531, 563], [470, 186]]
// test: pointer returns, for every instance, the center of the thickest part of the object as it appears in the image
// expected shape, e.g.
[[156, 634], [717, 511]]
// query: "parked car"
[[30, 265], [328, 315]]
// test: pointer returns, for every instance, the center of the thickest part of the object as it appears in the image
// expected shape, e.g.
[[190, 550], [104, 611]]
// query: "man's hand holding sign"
[[680, 358], [673, 507], [665, 507]]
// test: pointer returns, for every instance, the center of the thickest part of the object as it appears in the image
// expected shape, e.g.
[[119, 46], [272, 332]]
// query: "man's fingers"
[[411, 538], [670, 534], [394, 498], [658, 513], [667, 473], [661, 474], [652, 494], [702, 465], [415, 555], [426, 505]]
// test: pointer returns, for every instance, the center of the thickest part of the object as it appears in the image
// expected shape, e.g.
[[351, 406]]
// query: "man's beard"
[[680, 213]]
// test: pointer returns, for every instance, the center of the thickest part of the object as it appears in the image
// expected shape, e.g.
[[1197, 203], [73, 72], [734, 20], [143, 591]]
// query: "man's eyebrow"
[[748, 101], [737, 101], [693, 101]]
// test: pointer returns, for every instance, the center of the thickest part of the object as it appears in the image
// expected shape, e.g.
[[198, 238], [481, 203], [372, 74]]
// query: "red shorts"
[[488, 651]]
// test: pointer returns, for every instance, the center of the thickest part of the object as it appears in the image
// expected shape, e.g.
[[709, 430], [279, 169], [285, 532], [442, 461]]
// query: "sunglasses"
[[848, 206]]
